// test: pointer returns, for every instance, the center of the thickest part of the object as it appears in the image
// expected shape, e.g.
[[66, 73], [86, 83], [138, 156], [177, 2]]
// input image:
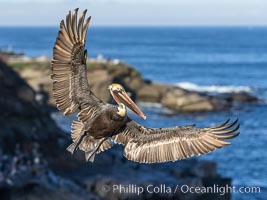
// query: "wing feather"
[[85, 28], [74, 25], [148, 145], [69, 27], [64, 35], [61, 49], [80, 24], [70, 86]]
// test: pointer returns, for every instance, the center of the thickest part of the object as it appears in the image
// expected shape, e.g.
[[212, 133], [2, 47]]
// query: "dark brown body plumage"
[[98, 122], [106, 124]]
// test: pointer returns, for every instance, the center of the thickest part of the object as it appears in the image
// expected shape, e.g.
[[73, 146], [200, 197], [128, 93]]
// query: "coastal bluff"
[[35, 165], [101, 75]]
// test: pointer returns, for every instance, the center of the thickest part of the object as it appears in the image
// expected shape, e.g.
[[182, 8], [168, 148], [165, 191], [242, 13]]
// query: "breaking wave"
[[214, 88]]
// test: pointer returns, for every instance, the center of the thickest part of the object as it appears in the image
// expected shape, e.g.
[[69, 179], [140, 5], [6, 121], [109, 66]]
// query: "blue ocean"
[[206, 59]]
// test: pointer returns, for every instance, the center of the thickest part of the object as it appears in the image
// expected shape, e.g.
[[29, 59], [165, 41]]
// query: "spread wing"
[[70, 86], [150, 145]]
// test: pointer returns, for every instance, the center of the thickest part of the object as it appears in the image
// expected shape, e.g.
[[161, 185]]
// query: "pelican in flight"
[[101, 125]]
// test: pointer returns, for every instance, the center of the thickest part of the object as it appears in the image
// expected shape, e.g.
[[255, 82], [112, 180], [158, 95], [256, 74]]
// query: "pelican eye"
[[119, 90]]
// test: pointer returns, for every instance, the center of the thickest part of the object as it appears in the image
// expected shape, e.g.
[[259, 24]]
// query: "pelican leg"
[[90, 154], [76, 143]]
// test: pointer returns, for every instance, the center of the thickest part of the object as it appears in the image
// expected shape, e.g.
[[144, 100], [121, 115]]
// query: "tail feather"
[[72, 148], [107, 144], [76, 129], [90, 155], [94, 147], [77, 135], [76, 143]]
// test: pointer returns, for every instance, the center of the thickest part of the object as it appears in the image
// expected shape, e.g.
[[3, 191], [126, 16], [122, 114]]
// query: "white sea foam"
[[214, 88], [150, 105]]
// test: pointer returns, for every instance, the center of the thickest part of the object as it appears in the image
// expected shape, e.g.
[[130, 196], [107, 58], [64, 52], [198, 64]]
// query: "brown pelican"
[[100, 123]]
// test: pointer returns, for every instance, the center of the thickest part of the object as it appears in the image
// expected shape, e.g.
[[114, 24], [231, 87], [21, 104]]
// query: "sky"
[[137, 12]]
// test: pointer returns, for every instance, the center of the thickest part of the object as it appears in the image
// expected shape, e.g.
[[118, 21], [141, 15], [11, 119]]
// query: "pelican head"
[[122, 98]]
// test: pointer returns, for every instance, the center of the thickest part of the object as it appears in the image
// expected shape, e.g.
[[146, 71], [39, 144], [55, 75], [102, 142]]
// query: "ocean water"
[[206, 59]]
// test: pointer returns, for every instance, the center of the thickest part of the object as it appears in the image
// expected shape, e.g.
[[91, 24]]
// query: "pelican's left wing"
[[70, 86], [150, 145]]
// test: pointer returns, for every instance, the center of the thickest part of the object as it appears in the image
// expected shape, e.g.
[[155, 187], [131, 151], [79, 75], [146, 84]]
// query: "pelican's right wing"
[[70, 86]]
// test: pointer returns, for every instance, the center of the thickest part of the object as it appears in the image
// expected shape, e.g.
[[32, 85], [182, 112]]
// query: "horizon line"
[[148, 26]]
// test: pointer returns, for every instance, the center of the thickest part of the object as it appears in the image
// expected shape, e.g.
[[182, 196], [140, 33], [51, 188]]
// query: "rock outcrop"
[[21, 117]]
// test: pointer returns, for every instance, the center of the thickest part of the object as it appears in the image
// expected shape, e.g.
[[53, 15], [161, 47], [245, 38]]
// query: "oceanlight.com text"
[[164, 189]]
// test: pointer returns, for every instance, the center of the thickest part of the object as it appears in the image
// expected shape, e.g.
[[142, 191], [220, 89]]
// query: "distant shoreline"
[[102, 72]]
